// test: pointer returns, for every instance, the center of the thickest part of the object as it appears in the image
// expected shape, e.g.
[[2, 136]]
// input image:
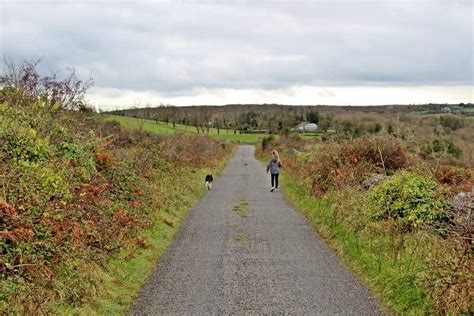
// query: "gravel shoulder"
[[243, 249]]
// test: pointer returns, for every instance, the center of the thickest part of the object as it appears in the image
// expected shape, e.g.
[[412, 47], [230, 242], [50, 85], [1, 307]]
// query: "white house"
[[305, 127]]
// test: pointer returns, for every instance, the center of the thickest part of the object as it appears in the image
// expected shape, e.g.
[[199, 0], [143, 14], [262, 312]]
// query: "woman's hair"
[[276, 154]]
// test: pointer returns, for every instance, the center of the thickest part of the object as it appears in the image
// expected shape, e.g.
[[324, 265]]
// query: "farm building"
[[305, 127]]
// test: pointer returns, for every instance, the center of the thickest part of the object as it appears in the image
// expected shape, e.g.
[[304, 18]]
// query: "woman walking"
[[273, 167]]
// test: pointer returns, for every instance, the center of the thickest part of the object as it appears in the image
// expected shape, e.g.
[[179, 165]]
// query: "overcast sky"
[[219, 52]]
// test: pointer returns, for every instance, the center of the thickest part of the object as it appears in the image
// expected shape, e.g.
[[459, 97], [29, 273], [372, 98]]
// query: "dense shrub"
[[443, 146], [450, 121], [70, 199], [266, 141], [411, 233], [411, 200], [349, 128], [350, 162]]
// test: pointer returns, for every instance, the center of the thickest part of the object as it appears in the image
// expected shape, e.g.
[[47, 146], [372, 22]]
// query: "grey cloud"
[[172, 48]]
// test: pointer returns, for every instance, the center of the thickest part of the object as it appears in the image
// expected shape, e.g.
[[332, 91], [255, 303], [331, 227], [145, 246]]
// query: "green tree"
[[313, 117], [325, 122]]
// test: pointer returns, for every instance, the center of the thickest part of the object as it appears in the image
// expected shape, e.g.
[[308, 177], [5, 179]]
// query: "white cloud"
[[297, 95], [173, 51]]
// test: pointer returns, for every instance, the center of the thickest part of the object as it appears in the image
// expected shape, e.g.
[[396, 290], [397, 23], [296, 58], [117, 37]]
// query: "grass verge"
[[392, 284]]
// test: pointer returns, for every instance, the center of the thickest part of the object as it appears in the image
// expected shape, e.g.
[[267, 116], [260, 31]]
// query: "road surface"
[[262, 258]]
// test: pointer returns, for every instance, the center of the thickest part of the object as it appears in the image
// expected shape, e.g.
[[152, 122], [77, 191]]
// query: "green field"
[[317, 136], [163, 128]]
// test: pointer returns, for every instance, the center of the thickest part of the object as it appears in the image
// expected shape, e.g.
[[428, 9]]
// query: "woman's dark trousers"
[[275, 180]]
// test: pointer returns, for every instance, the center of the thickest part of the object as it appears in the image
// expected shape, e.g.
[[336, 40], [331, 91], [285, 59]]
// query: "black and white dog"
[[209, 180]]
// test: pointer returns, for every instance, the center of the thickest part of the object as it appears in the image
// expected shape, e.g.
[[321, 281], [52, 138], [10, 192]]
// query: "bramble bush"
[[351, 162]]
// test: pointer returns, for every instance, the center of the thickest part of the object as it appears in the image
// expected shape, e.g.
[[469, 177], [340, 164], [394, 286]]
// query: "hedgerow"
[[403, 219], [352, 161], [74, 192]]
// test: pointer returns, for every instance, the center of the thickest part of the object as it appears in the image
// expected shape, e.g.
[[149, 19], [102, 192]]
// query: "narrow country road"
[[262, 258]]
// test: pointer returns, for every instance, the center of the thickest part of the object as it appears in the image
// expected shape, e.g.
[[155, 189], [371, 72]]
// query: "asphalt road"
[[268, 262]]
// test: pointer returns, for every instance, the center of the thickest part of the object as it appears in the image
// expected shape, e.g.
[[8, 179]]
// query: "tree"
[[325, 122], [196, 124], [226, 125], [280, 126], [24, 81], [140, 120], [173, 115], [313, 117]]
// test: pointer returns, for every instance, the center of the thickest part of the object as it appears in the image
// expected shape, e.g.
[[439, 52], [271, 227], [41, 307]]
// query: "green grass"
[[126, 272], [393, 283], [310, 136], [241, 208], [317, 135], [167, 129], [149, 125], [240, 239]]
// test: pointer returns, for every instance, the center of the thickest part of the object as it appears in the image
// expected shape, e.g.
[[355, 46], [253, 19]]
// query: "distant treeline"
[[273, 118]]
